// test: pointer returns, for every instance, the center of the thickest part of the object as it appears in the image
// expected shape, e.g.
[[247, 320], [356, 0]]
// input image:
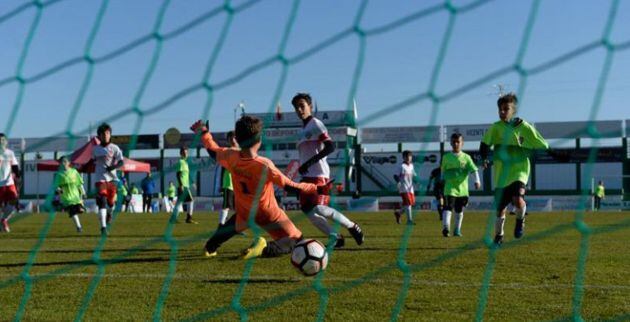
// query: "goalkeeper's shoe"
[[255, 250], [357, 234], [519, 228], [397, 216], [208, 254], [445, 232], [457, 233]]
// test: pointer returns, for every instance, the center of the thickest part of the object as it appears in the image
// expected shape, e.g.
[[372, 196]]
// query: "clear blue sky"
[[398, 63]]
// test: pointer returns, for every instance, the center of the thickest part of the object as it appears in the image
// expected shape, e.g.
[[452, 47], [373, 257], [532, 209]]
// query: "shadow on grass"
[[251, 281], [89, 262]]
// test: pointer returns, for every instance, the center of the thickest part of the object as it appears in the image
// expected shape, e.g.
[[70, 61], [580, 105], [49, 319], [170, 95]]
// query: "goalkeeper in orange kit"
[[253, 178]]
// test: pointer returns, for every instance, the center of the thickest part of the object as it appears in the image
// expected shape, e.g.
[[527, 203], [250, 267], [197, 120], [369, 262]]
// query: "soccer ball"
[[309, 257]]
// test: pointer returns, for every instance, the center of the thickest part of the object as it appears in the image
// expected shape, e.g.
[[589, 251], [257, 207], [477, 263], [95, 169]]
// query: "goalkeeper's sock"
[[103, 216], [520, 212], [498, 225]]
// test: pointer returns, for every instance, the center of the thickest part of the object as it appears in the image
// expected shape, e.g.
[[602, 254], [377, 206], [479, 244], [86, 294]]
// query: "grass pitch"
[[49, 272]]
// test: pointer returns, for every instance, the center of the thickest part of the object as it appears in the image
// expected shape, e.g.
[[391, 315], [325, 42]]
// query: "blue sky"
[[398, 63]]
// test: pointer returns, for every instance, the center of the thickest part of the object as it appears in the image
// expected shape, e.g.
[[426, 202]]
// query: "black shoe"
[[397, 215], [445, 232], [104, 231], [498, 240], [519, 228], [411, 223], [340, 241], [356, 233]]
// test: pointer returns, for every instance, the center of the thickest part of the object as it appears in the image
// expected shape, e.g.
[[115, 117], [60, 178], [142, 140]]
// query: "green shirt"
[[70, 182], [599, 191], [134, 191], [512, 146], [184, 176], [171, 192], [227, 180], [123, 190], [455, 171]]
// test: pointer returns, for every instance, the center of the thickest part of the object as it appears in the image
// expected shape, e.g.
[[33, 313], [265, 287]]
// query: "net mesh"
[[157, 39]]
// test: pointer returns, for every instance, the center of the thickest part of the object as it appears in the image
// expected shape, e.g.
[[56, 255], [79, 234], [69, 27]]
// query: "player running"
[[456, 166], [314, 144], [514, 140], [70, 182], [438, 189], [107, 158], [254, 177], [9, 179], [405, 177]]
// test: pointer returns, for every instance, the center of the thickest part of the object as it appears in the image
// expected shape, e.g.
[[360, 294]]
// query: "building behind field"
[[365, 159]]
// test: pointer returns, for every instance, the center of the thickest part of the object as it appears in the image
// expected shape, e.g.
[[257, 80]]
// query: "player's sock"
[[108, 219], [446, 219], [336, 216], [409, 214], [189, 208], [223, 216], [459, 217], [320, 222], [520, 213], [8, 211], [102, 212], [77, 222], [498, 225]]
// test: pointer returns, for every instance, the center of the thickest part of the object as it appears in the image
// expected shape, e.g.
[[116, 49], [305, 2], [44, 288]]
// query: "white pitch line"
[[218, 278]]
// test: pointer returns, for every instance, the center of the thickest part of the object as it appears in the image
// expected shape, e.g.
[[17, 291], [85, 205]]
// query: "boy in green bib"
[[514, 141], [455, 168], [71, 184]]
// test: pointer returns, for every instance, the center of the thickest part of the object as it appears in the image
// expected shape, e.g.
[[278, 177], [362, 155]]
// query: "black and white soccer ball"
[[309, 256]]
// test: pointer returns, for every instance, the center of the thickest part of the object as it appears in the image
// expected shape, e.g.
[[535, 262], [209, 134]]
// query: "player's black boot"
[[445, 232], [498, 240], [357, 234], [340, 241]]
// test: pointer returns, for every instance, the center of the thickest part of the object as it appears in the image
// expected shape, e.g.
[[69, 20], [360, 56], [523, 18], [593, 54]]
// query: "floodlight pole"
[[240, 105]]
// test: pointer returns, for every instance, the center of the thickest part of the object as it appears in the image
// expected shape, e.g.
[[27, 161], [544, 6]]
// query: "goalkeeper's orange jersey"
[[253, 180]]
